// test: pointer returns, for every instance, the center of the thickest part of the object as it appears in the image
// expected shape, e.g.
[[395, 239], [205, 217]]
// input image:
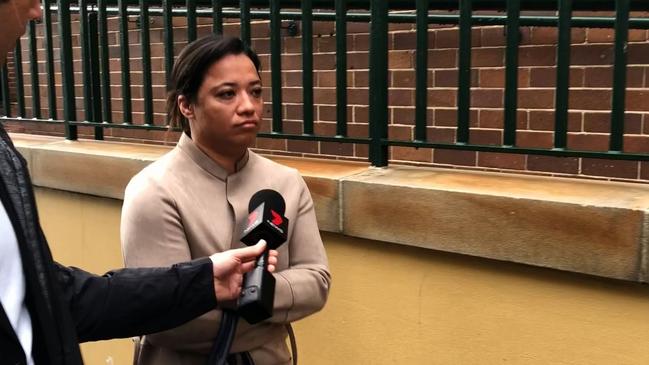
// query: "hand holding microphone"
[[229, 266]]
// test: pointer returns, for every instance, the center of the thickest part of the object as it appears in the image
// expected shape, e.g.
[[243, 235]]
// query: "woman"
[[194, 201]]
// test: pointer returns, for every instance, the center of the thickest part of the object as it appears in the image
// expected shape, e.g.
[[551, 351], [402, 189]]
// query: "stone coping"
[[593, 227]]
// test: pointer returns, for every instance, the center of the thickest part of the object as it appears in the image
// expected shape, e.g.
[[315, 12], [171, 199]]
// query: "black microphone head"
[[266, 219], [272, 199]]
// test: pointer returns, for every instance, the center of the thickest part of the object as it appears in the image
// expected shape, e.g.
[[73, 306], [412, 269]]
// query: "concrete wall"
[[394, 304]]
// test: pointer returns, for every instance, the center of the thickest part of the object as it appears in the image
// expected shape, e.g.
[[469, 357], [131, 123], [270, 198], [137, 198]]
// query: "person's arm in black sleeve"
[[130, 302]]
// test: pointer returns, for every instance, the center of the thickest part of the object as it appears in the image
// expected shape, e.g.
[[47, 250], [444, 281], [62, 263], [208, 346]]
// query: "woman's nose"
[[35, 12]]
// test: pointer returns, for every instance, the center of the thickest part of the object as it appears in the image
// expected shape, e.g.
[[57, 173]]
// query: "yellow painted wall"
[[393, 304]]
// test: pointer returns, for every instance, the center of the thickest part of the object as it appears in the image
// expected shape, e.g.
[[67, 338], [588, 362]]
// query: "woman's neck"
[[228, 161]]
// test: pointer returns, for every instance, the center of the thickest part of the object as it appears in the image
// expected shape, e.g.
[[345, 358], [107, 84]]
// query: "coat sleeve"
[[152, 235], [130, 302], [302, 289]]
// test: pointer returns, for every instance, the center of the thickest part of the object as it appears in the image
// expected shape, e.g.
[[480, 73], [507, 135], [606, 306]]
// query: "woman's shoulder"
[[261, 162], [158, 173]]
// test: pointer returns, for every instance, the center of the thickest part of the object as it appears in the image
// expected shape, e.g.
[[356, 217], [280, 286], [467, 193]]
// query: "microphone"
[[265, 221]]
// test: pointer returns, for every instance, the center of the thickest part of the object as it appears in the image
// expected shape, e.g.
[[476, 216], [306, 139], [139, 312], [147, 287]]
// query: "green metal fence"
[[380, 13]]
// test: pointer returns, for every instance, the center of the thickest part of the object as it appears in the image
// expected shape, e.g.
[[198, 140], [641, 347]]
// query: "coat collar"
[[188, 146]]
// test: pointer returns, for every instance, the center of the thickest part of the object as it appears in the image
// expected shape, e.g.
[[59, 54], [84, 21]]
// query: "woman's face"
[[226, 114]]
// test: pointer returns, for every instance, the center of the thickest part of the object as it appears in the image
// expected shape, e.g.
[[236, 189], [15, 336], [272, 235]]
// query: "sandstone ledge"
[[592, 227]]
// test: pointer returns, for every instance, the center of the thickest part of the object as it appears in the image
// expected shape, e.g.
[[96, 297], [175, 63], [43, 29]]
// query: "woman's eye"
[[256, 92], [226, 94]]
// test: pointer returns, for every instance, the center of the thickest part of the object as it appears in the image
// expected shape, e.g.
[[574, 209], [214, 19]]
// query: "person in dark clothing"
[[46, 309]]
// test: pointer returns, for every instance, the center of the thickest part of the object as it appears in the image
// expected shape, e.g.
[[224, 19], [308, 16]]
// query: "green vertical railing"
[[307, 66], [619, 75], [464, 73], [95, 77], [127, 114], [244, 10], [378, 128], [341, 68], [84, 38], [511, 72], [4, 84], [33, 63], [147, 91], [65, 36], [168, 36], [20, 85], [421, 70], [563, 75], [49, 60], [191, 20], [275, 64], [217, 17], [104, 60]]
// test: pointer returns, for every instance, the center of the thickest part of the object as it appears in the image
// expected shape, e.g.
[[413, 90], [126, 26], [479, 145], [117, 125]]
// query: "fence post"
[[378, 83]]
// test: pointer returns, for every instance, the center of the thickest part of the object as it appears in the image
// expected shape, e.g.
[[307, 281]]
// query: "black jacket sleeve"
[[131, 302]]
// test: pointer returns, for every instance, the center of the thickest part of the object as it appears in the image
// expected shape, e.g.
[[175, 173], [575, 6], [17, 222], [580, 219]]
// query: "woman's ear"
[[186, 108]]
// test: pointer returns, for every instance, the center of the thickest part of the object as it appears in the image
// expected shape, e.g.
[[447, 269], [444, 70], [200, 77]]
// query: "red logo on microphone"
[[277, 219]]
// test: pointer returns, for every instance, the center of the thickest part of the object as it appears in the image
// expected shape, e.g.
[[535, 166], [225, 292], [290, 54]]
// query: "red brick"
[[442, 58], [610, 168], [598, 77], [537, 56], [404, 40], [294, 112], [324, 129], [354, 96], [636, 144], [401, 133], [586, 99], [638, 54], [536, 98], [533, 139], [447, 38], [591, 55], [486, 136], [293, 79], [271, 144], [588, 142], [324, 62], [637, 100], [400, 59], [563, 165], [487, 57], [635, 76], [361, 78], [502, 160], [361, 41], [487, 98], [542, 120], [402, 78], [322, 28], [411, 154], [302, 146], [493, 36], [454, 157], [357, 60], [491, 118], [440, 135], [490, 77], [637, 35], [336, 148], [361, 114], [441, 98], [403, 115], [320, 96], [600, 35], [361, 150]]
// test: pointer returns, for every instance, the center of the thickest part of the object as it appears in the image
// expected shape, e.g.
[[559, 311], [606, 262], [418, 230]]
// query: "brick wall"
[[590, 94]]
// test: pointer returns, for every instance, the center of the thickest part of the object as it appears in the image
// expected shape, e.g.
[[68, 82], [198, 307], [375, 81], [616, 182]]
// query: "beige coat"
[[185, 206]]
